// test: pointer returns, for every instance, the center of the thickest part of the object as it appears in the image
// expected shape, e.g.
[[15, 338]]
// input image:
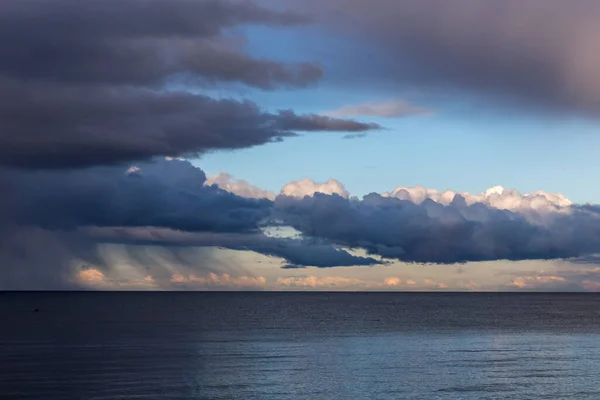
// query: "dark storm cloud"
[[299, 253], [433, 233], [545, 52], [163, 193], [58, 127], [85, 83], [139, 42], [52, 219], [35, 259]]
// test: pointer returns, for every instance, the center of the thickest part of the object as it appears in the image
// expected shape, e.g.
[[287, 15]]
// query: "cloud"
[[386, 108], [289, 121], [162, 193], [308, 187], [140, 42], [239, 187], [496, 197], [223, 281], [303, 254], [312, 282], [56, 221], [392, 281], [536, 282], [60, 127], [433, 284], [328, 282], [35, 259], [116, 85], [91, 276], [355, 135], [543, 52], [298, 253], [567, 275], [503, 225], [95, 279]]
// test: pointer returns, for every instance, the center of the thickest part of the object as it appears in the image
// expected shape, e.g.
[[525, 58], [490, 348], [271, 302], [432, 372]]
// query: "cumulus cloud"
[[53, 219], [495, 197], [385, 108], [239, 187], [419, 229], [308, 187], [543, 52]]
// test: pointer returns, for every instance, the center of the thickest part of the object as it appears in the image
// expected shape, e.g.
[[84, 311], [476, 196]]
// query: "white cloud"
[[308, 187], [239, 187], [496, 197], [385, 108]]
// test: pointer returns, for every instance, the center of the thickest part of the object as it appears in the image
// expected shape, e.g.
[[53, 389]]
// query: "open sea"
[[190, 345]]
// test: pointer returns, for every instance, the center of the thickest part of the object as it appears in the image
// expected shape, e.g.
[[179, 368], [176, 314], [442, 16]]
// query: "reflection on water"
[[299, 346]]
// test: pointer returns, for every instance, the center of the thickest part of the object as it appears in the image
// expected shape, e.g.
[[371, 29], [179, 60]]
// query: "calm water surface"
[[299, 346]]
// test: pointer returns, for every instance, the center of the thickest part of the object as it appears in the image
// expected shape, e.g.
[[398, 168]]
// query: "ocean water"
[[299, 346]]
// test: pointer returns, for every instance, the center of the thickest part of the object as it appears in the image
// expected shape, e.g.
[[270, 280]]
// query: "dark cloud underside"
[[57, 127], [139, 42], [433, 233], [86, 83]]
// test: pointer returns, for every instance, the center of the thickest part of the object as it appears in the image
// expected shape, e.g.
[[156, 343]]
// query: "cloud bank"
[[542, 52], [409, 225], [97, 82], [64, 216], [55, 219], [92, 100]]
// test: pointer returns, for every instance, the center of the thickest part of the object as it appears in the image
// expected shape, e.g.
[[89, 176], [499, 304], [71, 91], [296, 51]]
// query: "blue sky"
[[468, 143], [440, 151]]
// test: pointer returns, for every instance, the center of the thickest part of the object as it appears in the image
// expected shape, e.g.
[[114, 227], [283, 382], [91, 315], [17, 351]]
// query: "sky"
[[316, 145]]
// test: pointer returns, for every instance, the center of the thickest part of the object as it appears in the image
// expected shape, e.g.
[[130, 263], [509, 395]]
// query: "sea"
[[250, 345]]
